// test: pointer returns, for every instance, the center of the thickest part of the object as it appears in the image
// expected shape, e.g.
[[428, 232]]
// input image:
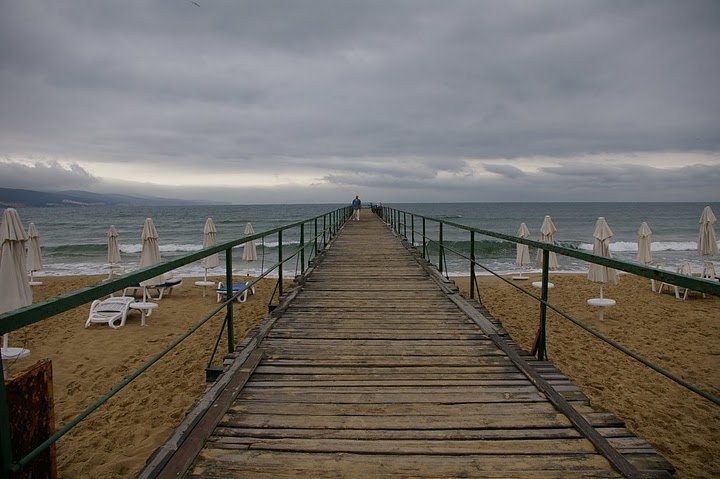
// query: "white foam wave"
[[624, 246], [164, 248]]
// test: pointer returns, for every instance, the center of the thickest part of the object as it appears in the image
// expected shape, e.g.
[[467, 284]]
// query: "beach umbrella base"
[[601, 303], [205, 284]]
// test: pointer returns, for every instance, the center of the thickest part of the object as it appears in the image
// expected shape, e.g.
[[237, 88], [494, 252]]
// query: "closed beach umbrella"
[[249, 249], [34, 256], [522, 256], [209, 239], [601, 247], [150, 252], [547, 235], [15, 291], [113, 246], [644, 237], [707, 241]]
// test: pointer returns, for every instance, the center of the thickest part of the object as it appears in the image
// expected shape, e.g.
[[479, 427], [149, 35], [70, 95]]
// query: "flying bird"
[[195, 3]]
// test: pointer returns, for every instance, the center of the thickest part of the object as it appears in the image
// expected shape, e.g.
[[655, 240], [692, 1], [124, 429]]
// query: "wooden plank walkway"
[[376, 368]]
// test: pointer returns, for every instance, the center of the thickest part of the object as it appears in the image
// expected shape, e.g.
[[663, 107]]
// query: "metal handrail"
[[21, 317], [697, 284]]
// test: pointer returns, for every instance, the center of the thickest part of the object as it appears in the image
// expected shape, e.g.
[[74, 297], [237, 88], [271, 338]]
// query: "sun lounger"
[[112, 311], [685, 269], [222, 291], [164, 289]]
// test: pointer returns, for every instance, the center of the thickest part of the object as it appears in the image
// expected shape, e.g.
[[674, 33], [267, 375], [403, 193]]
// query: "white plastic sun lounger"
[[110, 311]]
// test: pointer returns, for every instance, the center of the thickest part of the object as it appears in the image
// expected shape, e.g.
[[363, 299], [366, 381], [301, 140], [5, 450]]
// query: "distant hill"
[[10, 197]]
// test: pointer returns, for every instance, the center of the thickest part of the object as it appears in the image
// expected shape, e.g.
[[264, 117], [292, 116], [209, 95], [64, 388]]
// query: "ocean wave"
[[623, 246]]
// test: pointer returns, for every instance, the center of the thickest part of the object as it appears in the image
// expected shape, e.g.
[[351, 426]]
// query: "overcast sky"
[[396, 101]]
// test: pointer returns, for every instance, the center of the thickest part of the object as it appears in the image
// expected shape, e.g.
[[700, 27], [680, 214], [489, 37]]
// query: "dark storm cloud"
[[45, 176], [359, 89]]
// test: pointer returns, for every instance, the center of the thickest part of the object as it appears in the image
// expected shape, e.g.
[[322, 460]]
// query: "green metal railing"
[[393, 217], [331, 223]]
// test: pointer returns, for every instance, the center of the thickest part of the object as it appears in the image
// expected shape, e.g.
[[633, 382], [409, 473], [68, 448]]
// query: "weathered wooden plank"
[[379, 421], [400, 409], [395, 361], [392, 434], [419, 397], [408, 446], [438, 383], [227, 464]]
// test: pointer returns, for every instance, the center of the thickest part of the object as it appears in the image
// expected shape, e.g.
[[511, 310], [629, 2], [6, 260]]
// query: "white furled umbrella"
[[113, 250], [209, 239], [707, 240], [644, 237], [212, 261], [113, 246], [547, 235], [150, 254], [522, 256], [601, 247], [34, 256], [249, 249], [644, 254], [15, 290]]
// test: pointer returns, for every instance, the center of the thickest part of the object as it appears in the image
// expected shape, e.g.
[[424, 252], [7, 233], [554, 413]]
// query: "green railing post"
[[229, 313], [324, 231], [405, 225], [440, 248], [472, 265], [412, 228], [542, 351], [302, 248], [280, 265], [424, 240], [316, 238]]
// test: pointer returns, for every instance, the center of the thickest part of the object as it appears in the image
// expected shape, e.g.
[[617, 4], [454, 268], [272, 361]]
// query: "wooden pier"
[[376, 367]]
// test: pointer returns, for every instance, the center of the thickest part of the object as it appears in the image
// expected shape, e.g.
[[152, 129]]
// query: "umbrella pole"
[[601, 291]]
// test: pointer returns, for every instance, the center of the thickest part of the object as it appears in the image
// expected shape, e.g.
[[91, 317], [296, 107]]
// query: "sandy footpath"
[[680, 336]]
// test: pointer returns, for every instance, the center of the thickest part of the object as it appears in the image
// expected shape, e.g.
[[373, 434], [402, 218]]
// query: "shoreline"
[[117, 439]]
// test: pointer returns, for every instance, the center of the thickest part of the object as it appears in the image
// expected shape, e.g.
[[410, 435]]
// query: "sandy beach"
[[682, 336]]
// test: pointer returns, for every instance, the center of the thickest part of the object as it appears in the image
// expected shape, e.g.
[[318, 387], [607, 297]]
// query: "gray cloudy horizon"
[[316, 101]]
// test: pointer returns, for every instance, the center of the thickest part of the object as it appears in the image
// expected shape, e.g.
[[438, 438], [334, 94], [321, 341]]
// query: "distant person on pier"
[[356, 205]]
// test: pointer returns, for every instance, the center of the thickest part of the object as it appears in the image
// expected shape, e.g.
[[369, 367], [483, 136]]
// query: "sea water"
[[73, 239]]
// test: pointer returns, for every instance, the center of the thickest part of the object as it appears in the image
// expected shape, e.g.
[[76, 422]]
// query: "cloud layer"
[[396, 98]]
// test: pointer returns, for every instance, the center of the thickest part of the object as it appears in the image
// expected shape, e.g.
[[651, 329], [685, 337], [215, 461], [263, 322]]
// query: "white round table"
[[145, 308], [205, 284], [538, 285], [601, 303]]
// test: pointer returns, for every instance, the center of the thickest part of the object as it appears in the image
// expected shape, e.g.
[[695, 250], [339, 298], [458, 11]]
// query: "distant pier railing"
[[314, 235], [410, 225]]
